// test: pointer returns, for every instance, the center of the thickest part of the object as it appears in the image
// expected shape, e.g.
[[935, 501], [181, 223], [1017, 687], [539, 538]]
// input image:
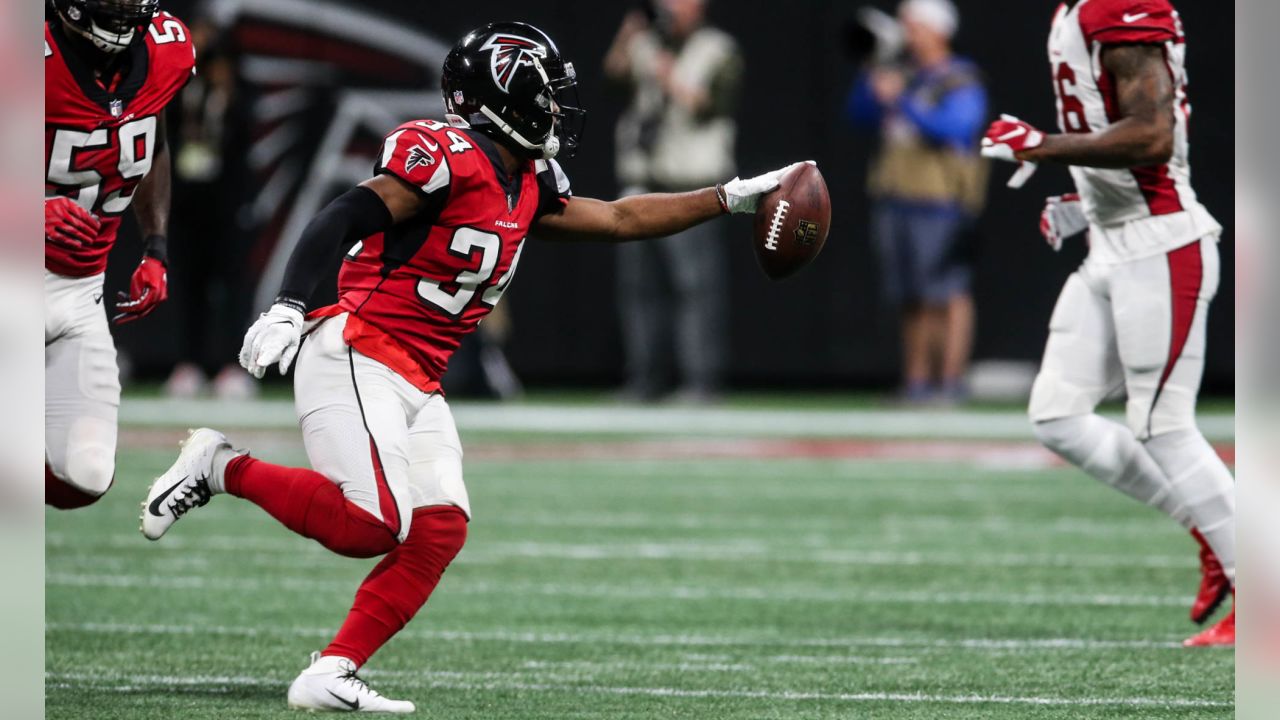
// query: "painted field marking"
[[637, 592], [739, 550], [486, 681], [923, 522], [514, 636], [605, 418]]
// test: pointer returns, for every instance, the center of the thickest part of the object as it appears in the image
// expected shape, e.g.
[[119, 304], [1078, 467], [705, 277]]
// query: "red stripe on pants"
[[386, 501], [1186, 273]]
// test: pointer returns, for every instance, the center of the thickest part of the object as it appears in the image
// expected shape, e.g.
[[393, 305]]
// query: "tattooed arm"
[[1142, 136]]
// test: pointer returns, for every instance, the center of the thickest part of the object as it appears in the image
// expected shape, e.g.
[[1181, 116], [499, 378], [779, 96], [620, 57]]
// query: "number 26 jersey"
[[1141, 211]]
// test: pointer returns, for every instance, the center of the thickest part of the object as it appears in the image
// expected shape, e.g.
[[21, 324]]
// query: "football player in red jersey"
[[111, 66], [438, 232], [1134, 314]]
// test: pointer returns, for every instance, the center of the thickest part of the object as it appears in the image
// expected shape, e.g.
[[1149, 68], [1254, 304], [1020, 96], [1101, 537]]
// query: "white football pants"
[[1141, 325], [1138, 324], [388, 445], [81, 384]]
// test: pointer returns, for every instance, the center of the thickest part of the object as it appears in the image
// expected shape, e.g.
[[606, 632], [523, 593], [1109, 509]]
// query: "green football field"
[[674, 564]]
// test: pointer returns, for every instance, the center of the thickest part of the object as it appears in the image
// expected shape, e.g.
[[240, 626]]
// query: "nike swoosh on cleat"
[[154, 508], [354, 705], [1135, 18]]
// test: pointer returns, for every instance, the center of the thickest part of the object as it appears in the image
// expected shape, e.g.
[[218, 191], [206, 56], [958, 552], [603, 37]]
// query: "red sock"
[[63, 495], [401, 583], [311, 505]]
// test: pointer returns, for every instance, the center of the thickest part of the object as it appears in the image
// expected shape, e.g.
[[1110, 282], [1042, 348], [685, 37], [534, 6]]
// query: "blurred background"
[[672, 518], [294, 96]]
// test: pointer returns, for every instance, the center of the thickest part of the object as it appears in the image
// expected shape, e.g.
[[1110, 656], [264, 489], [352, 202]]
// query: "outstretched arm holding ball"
[[651, 215]]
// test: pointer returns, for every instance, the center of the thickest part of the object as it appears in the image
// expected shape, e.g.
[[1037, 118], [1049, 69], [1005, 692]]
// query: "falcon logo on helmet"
[[507, 53], [509, 81]]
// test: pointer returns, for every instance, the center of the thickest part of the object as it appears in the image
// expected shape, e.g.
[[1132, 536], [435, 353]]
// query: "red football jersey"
[[427, 282], [99, 141]]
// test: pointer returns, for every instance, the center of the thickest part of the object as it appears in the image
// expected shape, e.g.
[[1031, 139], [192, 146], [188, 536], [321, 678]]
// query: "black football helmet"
[[108, 24], [509, 81]]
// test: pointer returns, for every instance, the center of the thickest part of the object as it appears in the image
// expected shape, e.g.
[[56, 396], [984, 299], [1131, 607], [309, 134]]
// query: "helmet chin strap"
[[547, 149]]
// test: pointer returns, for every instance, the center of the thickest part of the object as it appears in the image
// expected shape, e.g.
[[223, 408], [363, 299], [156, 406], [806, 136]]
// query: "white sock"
[[1204, 486], [1110, 453], [218, 478]]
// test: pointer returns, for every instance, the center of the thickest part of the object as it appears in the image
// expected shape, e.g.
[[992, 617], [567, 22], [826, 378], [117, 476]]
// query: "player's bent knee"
[[1058, 434], [91, 469], [440, 529], [1053, 396]]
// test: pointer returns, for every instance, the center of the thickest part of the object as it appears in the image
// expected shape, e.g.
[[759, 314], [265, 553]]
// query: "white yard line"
[[605, 638], [631, 592], [487, 681], [916, 524], [757, 551], [598, 419], [723, 551]]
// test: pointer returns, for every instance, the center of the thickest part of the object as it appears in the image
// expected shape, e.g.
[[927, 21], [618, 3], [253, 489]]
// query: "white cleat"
[[331, 684], [185, 485]]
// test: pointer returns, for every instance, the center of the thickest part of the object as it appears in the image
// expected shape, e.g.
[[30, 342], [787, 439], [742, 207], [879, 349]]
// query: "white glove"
[[742, 196], [1063, 217], [273, 338]]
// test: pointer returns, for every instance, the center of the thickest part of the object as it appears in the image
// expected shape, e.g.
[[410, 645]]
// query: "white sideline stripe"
[[710, 520], [916, 524], [596, 419], [742, 551], [520, 636], [639, 592], [841, 660], [713, 666], [424, 681], [761, 551]]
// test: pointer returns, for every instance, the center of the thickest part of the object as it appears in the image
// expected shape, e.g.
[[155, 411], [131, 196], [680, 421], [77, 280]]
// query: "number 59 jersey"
[[415, 290], [99, 140], [1141, 211]]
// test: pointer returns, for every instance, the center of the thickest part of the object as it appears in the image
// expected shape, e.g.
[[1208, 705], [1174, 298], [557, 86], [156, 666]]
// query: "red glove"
[[1007, 137], [69, 225], [148, 288]]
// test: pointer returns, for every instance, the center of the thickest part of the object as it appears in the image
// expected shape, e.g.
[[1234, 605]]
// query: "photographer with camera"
[[677, 134], [927, 183]]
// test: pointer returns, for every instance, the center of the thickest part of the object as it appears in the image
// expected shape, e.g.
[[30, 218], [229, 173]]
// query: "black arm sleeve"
[[357, 213]]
